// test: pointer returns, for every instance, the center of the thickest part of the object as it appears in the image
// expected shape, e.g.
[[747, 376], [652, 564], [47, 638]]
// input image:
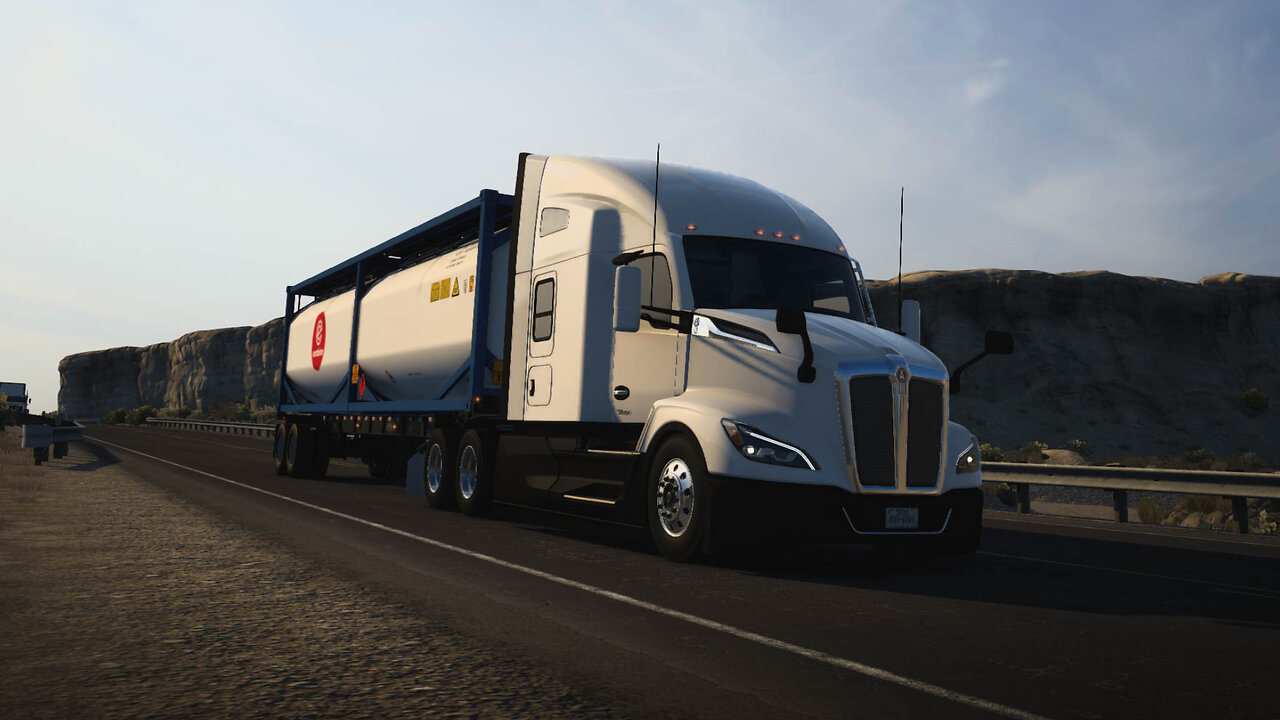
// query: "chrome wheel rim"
[[435, 468], [675, 497], [467, 472]]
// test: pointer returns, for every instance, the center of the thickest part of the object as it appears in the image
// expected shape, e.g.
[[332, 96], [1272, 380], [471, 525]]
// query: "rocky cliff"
[[1129, 365], [199, 370]]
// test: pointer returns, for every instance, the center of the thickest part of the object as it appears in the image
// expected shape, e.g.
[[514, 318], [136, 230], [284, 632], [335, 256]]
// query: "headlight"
[[755, 445], [970, 460]]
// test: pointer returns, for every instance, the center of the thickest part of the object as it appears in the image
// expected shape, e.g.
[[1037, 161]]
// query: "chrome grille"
[[924, 439], [871, 403]]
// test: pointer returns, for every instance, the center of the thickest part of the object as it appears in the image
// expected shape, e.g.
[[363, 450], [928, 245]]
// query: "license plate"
[[897, 518]]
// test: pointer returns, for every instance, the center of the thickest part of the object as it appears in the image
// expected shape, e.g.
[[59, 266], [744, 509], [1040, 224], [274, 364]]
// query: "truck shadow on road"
[[1074, 574]]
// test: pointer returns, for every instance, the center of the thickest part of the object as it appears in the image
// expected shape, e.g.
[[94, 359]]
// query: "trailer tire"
[[279, 443], [298, 451], [678, 501], [474, 463], [438, 472]]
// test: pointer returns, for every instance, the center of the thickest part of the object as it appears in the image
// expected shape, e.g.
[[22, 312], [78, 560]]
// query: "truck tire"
[[279, 444], [438, 471], [474, 463], [294, 457], [678, 501]]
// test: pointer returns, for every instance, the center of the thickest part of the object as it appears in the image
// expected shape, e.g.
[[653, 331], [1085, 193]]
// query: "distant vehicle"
[[693, 353], [16, 394]]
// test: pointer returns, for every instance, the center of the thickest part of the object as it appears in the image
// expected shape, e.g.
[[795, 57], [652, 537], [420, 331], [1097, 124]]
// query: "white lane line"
[[818, 655], [1242, 588]]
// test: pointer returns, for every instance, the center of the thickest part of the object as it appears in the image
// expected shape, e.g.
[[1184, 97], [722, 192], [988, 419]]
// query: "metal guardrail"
[[1238, 487], [218, 426], [42, 438]]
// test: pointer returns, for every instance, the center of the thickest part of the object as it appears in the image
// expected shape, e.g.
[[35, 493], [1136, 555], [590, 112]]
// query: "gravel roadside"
[[119, 600]]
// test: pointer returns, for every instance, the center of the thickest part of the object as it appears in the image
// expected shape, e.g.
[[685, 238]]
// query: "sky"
[[171, 166]]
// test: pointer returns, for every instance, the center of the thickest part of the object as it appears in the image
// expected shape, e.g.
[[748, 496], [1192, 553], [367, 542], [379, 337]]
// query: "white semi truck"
[[684, 351]]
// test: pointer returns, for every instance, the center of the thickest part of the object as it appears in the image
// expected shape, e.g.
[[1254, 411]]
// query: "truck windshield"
[[738, 273]]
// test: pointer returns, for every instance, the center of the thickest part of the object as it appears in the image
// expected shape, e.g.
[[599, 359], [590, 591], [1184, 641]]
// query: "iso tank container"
[[414, 335]]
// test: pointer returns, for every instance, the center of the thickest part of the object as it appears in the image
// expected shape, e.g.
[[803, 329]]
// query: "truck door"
[[644, 362], [540, 380]]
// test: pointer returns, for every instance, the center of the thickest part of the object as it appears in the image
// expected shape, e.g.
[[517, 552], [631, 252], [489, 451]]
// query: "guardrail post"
[[1120, 502], [1240, 508], [59, 449], [1024, 498]]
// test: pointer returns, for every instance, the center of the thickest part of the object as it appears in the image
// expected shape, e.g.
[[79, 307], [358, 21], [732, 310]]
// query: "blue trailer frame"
[[480, 219]]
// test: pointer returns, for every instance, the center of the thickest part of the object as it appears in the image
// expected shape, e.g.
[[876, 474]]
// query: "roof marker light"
[[690, 227], [796, 238], [778, 235], [760, 233]]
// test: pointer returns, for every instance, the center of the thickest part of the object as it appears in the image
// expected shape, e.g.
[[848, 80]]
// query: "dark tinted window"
[[544, 308], [736, 273]]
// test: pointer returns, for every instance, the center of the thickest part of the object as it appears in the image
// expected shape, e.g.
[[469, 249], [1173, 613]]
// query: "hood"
[[836, 340]]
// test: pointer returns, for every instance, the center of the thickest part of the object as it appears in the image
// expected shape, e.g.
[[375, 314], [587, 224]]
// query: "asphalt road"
[[1051, 618]]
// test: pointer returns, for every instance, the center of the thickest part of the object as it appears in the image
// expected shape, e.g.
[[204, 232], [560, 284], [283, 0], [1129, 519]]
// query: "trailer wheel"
[[678, 500], [293, 455], [279, 445], [438, 471], [474, 477]]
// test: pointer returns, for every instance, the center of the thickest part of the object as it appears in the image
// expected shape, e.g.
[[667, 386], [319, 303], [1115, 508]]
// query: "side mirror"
[[999, 343], [626, 299], [792, 321], [911, 320]]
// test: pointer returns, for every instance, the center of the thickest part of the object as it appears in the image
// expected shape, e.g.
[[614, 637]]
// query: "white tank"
[[414, 335]]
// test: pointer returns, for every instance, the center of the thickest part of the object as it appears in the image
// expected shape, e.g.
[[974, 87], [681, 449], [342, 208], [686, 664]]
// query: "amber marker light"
[[760, 233], [690, 227], [778, 235], [796, 238]]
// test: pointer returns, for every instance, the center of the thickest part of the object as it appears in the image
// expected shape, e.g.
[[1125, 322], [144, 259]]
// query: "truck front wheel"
[[678, 500]]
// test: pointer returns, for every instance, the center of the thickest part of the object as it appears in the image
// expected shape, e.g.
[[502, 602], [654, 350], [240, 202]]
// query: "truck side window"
[[544, 309], [655, 286]]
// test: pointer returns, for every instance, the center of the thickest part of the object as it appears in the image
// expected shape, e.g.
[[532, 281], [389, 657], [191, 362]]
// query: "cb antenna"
[[657, 163], [901, 212]]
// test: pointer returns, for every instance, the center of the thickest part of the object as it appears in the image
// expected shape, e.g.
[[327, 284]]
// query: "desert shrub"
[[990, 453], [139, 415], [265, 415], [1149, 512], [1077, 445], [1200, 459], [1007, 493], [115, 417], [1254, 400], [1032, 452], [1203, 504]]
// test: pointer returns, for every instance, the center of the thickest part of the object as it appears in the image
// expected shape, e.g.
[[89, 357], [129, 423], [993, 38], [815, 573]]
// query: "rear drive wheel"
[[474, 479], [678, 500], [438, 471], [295, 455], [278, 446]]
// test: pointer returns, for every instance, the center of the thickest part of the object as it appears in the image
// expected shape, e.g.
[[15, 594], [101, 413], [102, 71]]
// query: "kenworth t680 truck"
[[661, 347]]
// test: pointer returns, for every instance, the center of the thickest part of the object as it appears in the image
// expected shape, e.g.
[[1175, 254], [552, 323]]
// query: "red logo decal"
[[317, 342]]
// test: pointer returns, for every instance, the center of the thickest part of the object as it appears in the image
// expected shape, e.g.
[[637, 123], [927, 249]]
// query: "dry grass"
[[20, 480]]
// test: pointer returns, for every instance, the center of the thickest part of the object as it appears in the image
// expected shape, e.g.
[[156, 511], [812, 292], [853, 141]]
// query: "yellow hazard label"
[[355, 373], [497, 372], [435, 291], [472, 284], [455, 287]]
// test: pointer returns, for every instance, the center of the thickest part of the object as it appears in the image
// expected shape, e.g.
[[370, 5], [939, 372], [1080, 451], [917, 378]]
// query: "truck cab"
[[755, 378]]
